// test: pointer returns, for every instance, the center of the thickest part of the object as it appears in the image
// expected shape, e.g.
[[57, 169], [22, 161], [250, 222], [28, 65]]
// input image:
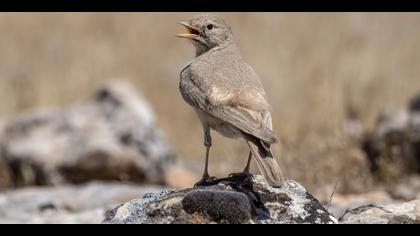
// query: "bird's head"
[[206, 32]]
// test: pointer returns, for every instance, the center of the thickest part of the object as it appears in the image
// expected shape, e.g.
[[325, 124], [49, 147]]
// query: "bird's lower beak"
[[193, 32]]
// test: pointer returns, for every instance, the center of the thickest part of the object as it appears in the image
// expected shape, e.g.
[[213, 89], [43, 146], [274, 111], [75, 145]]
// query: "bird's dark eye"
[[209, 26]]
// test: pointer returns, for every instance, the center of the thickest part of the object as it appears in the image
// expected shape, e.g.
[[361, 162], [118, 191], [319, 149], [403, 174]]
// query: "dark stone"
[[242, 182], [373, 152], [231, 206], [415, 103]]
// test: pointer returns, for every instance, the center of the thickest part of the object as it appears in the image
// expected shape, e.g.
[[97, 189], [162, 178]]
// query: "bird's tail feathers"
[[265, 161]]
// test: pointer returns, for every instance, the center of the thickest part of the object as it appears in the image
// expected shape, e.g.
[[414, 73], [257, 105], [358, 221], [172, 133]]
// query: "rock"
[[112, 136], [415, 103], [237, 199], [400, 213], [393, 147], [85, 203], [342, 202], [407, 189]]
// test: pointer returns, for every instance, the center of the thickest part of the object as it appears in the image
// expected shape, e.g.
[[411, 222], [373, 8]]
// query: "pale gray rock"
[[393, 146], [112, 136], [407, 189], [400, 213], [84, 204], [232, 200]]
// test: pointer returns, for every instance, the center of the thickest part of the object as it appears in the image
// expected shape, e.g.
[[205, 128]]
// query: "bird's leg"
[[248, 164], [206, 179], [207, 144], [206, 165], [246, 172]]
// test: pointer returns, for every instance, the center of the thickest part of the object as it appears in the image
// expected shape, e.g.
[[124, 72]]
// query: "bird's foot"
[[206, 181]]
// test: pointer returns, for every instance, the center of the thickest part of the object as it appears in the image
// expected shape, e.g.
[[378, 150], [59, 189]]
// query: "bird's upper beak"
[[193, 32]]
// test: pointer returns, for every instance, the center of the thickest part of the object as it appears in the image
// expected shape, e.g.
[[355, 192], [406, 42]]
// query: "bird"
[[227, 95]]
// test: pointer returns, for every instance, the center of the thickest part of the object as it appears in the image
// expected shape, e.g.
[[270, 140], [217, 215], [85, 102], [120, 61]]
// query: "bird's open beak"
[[193, 32]]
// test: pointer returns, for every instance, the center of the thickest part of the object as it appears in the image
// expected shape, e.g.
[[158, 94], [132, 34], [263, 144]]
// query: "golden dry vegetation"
[[319, 69]]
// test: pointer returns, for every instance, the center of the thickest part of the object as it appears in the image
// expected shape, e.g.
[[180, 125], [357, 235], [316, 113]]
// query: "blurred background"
[[329, 76]]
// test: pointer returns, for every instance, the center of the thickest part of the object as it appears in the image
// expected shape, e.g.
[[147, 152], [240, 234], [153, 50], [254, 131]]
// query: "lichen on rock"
[[234, 200]]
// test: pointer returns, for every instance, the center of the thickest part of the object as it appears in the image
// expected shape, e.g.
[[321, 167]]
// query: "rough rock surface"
[[85, 203], [401, 213], [237, 199], [112, 136], [342, 202]]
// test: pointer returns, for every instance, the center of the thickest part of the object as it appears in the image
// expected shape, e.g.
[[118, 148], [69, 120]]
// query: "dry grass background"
[[318, 69]]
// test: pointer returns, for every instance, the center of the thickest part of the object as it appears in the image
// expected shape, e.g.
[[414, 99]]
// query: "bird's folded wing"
[[247, 120], [243, 109]]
